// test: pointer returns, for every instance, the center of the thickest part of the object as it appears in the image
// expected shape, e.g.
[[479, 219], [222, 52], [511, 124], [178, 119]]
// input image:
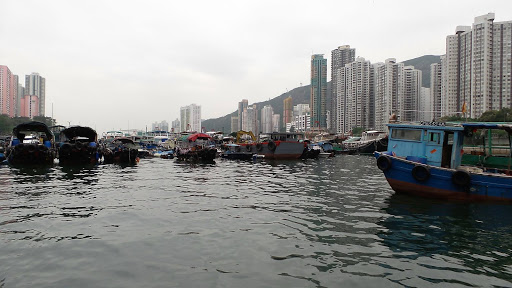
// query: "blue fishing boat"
[[425, 160]]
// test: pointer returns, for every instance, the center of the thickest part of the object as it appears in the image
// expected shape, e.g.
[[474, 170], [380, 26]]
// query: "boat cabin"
[[433, 144], [293, 137]]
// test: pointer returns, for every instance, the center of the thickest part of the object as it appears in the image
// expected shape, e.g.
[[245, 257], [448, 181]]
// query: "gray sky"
[[125, 64]]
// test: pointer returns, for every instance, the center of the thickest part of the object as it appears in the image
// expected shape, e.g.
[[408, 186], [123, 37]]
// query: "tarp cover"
[[80, 131], [33, 126], [196, 136]]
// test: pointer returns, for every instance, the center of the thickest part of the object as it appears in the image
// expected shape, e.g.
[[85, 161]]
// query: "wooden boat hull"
[[443, 182], [78, 154], [30, 154]]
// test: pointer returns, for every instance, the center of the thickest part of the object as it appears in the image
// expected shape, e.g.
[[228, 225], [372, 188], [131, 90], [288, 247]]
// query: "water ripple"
[[316, 223]]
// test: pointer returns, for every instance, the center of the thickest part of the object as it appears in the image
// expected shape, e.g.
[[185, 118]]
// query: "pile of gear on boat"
[[34, 143]]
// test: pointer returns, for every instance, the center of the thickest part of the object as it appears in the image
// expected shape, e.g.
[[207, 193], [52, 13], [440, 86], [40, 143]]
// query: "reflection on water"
[[317, 223], [458, 237]]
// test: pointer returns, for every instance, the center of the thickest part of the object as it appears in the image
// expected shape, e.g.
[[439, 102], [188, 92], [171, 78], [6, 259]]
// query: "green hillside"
[[300, 95], [423, 63]]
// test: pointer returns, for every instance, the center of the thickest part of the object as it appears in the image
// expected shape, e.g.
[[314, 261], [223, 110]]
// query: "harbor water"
[[318, 223]]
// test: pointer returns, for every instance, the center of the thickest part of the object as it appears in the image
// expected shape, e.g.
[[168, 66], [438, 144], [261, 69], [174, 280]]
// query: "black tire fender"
[[461, 178], [420, 173], [271, 146], [384, 163]]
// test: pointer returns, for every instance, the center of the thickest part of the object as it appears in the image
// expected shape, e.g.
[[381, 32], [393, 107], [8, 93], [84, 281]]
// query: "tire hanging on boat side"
[[384, 163]]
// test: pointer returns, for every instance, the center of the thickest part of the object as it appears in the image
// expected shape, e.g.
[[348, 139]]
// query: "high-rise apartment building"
[[190, 118], [250, 119], [160, 126], [8, 91], [242, 105], [425, 105], [318, 92], [435, 91], [234, 124], [477, 69], [276, 122], [267, 116], [175, 126], [287, 110], [354, 95], [340, 57], [409, 94], [387, 82], [35, 85]]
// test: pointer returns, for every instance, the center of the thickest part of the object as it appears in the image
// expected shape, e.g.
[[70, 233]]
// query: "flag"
[[464, 109]]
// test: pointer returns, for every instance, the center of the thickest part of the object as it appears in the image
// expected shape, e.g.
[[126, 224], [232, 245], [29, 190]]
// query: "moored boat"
[[426, 160], [195, 147], [235, 152], [280, 146], [31, 144], [78, 146], [121, 150]]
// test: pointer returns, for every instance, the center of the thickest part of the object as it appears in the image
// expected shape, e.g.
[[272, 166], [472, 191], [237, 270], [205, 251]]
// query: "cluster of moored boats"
[[34, 143], [427, 159]]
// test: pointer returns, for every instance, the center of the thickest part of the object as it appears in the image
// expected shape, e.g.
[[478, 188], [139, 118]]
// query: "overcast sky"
[[126, 64]]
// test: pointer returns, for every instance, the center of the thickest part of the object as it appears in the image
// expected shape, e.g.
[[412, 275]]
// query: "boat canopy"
[[506, 127], [79, 131], [124, 140], [196, 136], [33, 126]]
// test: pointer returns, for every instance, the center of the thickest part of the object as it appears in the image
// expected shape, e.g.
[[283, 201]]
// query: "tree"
[[357, 131]]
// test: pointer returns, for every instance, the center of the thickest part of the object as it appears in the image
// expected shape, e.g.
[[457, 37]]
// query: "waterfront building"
[[387, 77], [276, 123], [425, 105], [250, 119], [160, 126], [409, 93], [8, 91], [190, 118], [234, 124], [35, 85], [302, 123], [287, 110], [29, 106], [340, 57], [267, 118], [242, 105], [300, 109], [318, 92], [354, 96], [175, 126], [477, 71], [435, 90]]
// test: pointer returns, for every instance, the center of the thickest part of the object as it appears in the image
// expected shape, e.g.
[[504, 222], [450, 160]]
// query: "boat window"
[[434, 137], [406, 134]]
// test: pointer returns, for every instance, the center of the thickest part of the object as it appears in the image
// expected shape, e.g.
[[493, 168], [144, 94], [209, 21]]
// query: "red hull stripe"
[[432, 192]]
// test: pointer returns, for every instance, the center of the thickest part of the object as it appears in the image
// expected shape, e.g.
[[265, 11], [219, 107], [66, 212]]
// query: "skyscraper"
[[8, 91], [287, 110], [35, 85], [242, 105], [340, 57], [190, 118], [267, 114], [387, 82], [476, 68], [318, 92], [354, 89], [409, 93], [435, 90]]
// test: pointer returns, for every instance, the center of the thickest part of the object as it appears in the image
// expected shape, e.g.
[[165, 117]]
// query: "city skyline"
[[120, 71]]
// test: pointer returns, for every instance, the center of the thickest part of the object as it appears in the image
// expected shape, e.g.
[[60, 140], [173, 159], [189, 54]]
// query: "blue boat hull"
[[440, 182]]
